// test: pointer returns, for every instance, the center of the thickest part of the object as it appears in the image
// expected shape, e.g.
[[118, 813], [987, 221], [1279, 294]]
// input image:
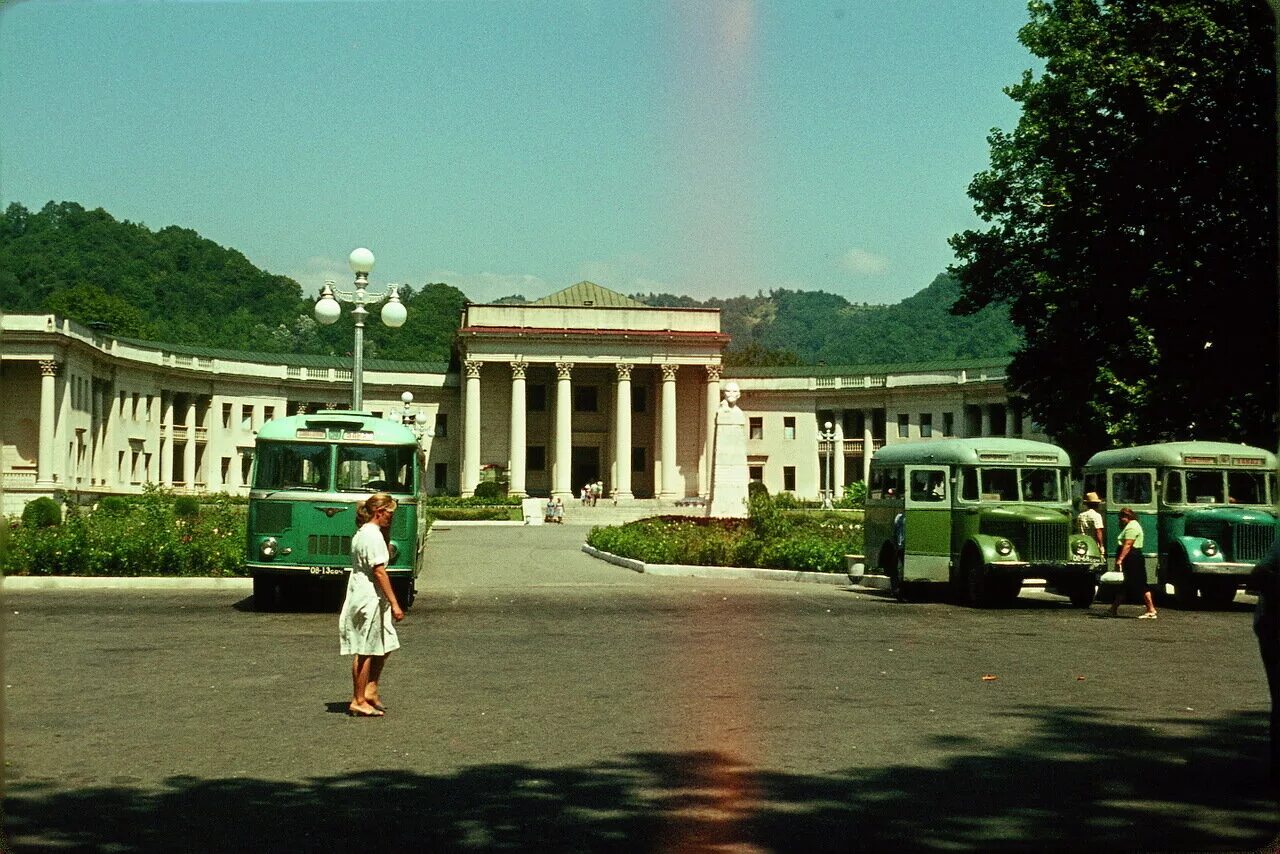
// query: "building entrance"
[[585, 466]]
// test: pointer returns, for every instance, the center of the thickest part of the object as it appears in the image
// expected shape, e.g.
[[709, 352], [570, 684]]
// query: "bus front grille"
[[1047, 541], [328, 545], [272, 517], [1251, 542], [1035, 542]]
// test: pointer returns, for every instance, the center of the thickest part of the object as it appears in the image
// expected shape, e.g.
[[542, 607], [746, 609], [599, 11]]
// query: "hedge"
[[770, 539]]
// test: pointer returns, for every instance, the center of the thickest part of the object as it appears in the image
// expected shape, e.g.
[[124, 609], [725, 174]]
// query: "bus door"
[[1135, 489], [927, 553]]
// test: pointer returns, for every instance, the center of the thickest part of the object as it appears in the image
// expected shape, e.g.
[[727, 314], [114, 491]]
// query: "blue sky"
[[705, 148]]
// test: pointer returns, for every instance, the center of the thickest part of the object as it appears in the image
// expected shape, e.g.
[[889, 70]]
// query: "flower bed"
[[773, 542], [142, 536]]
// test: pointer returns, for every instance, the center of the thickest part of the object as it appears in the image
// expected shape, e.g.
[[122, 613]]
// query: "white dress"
[[365, 626]]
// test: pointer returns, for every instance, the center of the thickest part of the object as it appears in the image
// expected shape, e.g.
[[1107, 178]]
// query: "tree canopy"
[[1132, 223]]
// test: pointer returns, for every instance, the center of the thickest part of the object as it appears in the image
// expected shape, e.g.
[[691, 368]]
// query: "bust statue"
[[731, 395]]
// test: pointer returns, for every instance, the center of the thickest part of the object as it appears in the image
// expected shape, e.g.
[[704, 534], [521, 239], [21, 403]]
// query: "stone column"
[[471, 429], [868, 443], [562, 464], [48, 415], [189, 450], [519, 432], [97, 416], [622, 433], [837, 448], [166, 440], [1010, 427], [708, 446], [669, 489], [984, 412]]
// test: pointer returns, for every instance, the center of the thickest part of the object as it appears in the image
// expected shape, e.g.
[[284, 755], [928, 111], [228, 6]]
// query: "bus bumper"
[[1221, 568]]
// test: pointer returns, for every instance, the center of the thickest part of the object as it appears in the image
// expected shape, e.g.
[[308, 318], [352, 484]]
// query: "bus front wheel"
[[268, 593], [405, 591]]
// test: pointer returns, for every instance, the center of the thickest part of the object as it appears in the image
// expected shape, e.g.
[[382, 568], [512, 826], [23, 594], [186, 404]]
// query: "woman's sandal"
[[361, 713]]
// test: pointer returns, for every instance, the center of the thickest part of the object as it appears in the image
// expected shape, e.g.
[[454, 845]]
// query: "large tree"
[[1132, 228]]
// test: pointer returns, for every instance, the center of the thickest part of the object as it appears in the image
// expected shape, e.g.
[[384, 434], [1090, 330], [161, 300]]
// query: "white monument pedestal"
[[729, 477]]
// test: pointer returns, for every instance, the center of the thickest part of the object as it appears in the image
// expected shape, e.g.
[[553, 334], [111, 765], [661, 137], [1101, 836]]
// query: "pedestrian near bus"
[[366, 625], [1130, 562], [1089, 522]]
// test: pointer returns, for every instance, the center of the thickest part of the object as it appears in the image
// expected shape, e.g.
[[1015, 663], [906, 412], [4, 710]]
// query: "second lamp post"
[[328, 310]]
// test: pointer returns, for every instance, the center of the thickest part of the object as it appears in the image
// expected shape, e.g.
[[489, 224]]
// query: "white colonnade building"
[[583, 385]]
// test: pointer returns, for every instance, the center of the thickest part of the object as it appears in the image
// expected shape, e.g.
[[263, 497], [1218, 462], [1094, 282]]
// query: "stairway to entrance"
[[608, 513]]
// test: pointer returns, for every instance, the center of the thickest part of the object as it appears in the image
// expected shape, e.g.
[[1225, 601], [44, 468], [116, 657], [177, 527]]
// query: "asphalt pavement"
[[544, 699]]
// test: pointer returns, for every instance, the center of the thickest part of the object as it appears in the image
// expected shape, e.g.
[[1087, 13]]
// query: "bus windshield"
[[375, 468], [292, 465], [1023, 484]]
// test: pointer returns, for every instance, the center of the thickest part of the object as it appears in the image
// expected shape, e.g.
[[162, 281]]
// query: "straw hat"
[[1092, 498]]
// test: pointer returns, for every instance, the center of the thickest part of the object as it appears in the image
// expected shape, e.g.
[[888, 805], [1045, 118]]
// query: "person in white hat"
[[1090, 520]]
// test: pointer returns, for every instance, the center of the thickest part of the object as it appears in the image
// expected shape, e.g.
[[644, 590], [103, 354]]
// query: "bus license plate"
[[328, 570]]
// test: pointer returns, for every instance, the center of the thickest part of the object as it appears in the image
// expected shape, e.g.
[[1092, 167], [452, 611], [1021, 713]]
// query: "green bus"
[[1207, 511], [309, 472], [979, 515]]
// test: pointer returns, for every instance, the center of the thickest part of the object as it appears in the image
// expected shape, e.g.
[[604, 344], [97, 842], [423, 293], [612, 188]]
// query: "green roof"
[[300, 360], [797, 371], [968, 451], [1171, 454], [589, 294], [384, 430]]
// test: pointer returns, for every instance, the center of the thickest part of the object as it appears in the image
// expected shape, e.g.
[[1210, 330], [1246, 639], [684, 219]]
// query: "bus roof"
[[987, 449], [1184, 454], [295, 428]]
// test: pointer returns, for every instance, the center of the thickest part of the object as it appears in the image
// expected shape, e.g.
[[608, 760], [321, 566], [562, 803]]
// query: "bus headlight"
[[395, 552], [1209, 547], [268, 547], [1004, 548], [1080, 548]]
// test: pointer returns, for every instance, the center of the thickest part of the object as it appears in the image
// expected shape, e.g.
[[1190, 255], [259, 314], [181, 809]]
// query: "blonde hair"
[[377, 501]]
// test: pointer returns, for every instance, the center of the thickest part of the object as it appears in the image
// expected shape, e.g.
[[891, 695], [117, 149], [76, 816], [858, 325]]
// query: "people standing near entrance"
[[597, 489], [585, 494], [1129, 561], [1089, 522], [366, 625]]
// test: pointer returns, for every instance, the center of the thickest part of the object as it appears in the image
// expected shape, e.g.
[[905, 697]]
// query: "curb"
[[690, 571], [76, 582]]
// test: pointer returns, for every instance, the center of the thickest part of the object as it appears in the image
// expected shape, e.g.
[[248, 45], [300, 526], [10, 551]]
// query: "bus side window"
[[1173, 487], [893, 484], [927, 486], [1130, 487], [969, 484], [877, 484]]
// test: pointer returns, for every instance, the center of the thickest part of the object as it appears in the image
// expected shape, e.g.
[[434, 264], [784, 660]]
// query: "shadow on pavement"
[[1079, 780]]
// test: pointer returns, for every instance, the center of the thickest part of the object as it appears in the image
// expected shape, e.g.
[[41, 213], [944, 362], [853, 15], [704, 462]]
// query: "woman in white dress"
[[366, 626]]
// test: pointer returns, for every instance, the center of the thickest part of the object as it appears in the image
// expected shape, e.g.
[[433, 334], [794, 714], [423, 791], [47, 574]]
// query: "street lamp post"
[[327, 311], [415, 420], [828, 436]]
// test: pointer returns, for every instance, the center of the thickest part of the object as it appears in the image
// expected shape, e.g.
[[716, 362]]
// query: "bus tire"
[[1081, 593], [1185, 592], [405, 592], [977, 581], [1218, 592], [267, 593]]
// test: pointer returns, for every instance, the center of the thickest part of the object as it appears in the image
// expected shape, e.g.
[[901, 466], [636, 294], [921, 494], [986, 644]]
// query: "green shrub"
[[855, 495], [471, 501], [186, 507], [755, 488], [144, 539], [472, 514], [489, 489], [766, 516], [43, 512], [113, 505]]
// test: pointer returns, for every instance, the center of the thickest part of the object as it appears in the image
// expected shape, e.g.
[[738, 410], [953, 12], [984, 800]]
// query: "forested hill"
[[808, 327], [174, 285]]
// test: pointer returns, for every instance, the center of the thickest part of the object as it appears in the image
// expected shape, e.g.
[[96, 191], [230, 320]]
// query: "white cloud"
[[861, 262], [485, 287]]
